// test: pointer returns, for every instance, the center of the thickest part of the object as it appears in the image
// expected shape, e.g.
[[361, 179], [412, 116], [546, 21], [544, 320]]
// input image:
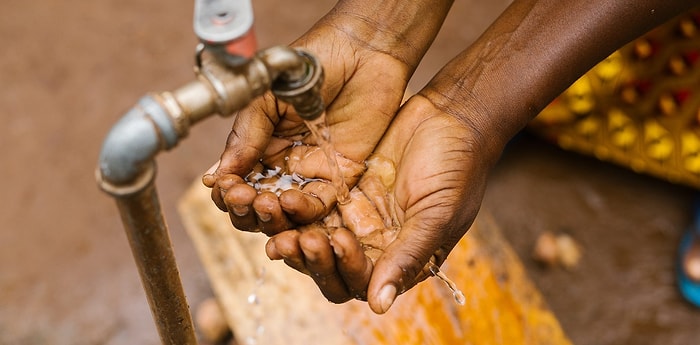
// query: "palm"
[[363, 90], [403, 214], [439, 187]]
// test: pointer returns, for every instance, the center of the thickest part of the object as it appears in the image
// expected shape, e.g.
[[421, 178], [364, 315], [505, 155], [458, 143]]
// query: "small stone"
[[568, 251], [210, 321], [545, 251], [557, 250]]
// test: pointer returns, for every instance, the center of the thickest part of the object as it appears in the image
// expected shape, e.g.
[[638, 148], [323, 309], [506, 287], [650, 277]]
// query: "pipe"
[[152, 249], [133, 142], [159, 121], [126, 166]]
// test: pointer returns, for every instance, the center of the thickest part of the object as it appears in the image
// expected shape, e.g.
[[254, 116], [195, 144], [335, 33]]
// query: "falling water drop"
[[253, 299], [456, 292], [319, 129], [256, 309]]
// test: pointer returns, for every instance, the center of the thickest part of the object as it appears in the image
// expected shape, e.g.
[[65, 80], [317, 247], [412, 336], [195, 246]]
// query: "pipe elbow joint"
[[130, 147]]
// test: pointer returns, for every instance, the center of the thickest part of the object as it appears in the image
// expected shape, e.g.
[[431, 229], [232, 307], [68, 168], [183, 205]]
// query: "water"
[[254, 302], [276, 181], [319, 129], [456, 292]]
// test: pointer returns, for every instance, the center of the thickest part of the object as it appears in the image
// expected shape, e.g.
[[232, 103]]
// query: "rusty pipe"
[[153, 252], [126, 167]]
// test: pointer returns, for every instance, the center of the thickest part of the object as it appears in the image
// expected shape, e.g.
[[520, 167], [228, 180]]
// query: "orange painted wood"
[[272, 304]]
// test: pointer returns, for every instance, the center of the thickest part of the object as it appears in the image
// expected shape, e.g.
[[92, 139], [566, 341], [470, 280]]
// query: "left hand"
[[395, 228]]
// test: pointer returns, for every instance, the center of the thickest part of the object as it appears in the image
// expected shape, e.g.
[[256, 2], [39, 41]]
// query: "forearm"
[[532, 52], [403, 29]]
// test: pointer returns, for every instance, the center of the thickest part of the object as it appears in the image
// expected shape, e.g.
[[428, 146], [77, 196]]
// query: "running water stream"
[[456, 292], [319, 129]]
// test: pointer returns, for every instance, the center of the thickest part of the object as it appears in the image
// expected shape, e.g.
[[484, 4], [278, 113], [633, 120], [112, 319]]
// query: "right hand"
[[267, 130], [363, 89], [408, 210]]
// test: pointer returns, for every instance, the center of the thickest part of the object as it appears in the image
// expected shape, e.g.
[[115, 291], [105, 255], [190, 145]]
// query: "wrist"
[[486, 136], [532, 53], [403, 29]]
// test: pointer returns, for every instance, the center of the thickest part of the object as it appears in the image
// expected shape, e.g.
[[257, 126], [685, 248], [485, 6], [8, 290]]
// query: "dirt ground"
[[70, 69]]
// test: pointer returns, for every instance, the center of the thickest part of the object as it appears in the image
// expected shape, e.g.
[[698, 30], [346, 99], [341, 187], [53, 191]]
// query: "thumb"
[[250, 134], [401, 266]]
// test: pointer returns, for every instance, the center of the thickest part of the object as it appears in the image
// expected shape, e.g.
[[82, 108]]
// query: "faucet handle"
[[225, 27]]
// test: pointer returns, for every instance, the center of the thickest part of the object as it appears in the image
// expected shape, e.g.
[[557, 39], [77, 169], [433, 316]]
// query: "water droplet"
[[456, 293], [253, 299], [459, 297], [261, 277]]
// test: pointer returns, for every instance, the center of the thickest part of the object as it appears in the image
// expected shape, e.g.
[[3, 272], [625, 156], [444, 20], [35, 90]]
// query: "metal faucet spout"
[[300, 86]]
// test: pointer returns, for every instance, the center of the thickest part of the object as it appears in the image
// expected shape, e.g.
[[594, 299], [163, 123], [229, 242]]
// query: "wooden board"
[[266, 302]]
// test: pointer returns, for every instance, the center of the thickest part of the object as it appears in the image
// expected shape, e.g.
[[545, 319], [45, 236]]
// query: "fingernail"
[[271, 250], [338, 250], [386, 297], [240, 210], [264, 217], [208, 180], [311, 256]]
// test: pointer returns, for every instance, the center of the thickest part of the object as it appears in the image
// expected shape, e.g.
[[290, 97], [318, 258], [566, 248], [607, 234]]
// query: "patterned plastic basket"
[[640, 107]]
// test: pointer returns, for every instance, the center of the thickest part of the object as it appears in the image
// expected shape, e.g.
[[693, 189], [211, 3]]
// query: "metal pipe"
[[152, 249], [126, 167]]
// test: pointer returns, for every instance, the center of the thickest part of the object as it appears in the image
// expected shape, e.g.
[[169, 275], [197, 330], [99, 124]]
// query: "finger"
[[320, 262], [354, 266], [271, 219], [221, 186], [249, 136], [208, 178], [376, 190], [314, 164], [285, 246], [239, 198], [217, 196], [361, 216], [398, 268], [311, 204]]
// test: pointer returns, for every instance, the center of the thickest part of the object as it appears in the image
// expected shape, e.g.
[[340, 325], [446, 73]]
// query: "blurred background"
[[70, 69]]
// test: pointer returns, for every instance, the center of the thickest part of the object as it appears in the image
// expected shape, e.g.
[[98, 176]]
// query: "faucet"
[[225, 82]]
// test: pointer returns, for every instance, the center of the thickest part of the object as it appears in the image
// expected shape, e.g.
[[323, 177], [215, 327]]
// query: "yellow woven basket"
[[640, 107]]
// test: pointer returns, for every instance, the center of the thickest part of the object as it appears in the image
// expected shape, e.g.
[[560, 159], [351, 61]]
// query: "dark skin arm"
[[445, 140], [533, 52]]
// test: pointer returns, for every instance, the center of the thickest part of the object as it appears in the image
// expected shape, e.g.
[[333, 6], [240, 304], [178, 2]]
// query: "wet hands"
[[369, 51], [401, 216], [363, 90], [273, 200]]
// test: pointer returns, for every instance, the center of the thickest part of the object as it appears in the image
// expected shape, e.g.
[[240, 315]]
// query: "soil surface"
[[69, 71]]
